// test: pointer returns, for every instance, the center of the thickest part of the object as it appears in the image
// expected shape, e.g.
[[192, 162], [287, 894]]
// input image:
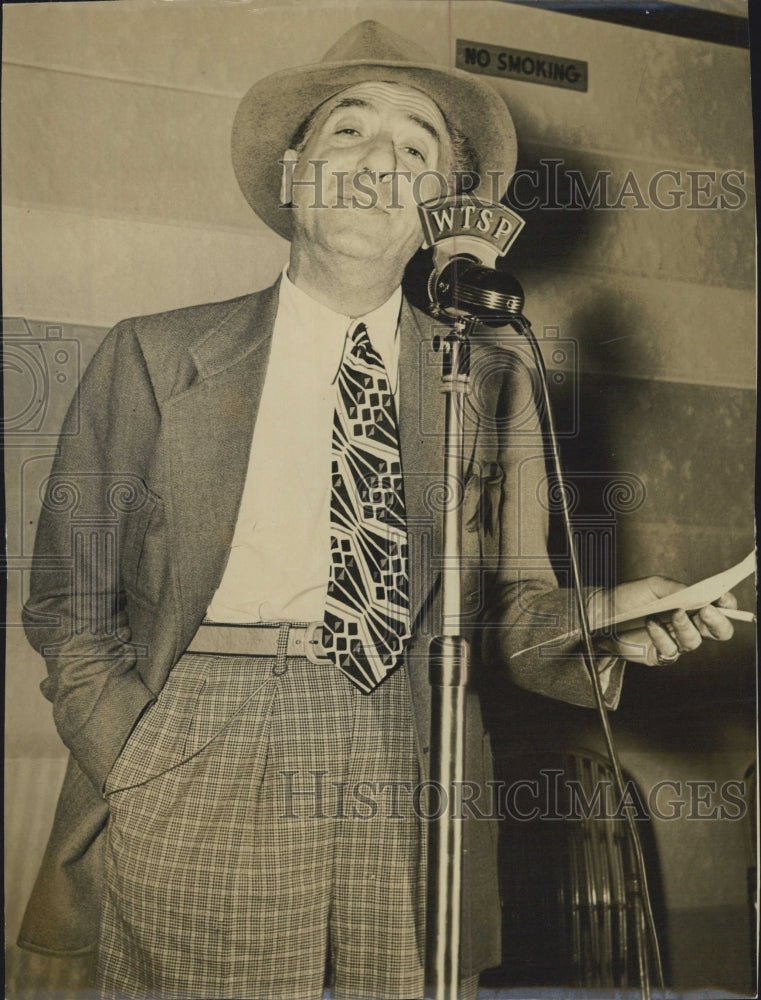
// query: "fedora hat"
[[274, 107]]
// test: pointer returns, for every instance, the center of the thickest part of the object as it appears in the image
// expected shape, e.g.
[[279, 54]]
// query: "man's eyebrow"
[[358, 102], [426, 126], [350, 102]]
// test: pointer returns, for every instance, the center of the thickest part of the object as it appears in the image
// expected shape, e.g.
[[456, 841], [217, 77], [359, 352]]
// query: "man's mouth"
[[364, 203]]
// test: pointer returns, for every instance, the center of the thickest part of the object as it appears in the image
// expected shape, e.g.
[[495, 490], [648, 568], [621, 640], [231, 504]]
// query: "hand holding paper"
[[699, 595], [660, 637], [646, 620]]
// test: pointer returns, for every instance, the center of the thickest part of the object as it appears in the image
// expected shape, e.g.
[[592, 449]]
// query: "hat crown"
[[370, 41]]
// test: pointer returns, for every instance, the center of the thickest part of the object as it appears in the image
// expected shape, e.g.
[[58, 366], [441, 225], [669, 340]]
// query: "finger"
[[668, 627], [686, 634], [634, 645], [664, 647], [727, 600], [712, 623]]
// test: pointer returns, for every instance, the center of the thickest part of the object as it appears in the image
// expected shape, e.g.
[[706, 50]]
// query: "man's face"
[[376, 139]]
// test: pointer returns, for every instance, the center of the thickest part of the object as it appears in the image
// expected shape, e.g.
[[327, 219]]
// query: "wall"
[[120, 199]]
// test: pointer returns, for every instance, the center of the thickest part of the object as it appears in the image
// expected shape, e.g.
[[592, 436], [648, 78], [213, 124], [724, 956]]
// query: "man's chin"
[[373, 239]]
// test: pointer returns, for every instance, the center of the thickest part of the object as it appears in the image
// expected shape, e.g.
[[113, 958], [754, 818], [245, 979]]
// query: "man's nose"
[[379, 155]]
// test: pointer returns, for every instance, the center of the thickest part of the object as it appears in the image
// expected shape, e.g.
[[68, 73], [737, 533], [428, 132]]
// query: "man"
[[240, 670]]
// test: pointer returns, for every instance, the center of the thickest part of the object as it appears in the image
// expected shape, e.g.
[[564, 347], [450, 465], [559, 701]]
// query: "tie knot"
[[359, 334], [362, 348]]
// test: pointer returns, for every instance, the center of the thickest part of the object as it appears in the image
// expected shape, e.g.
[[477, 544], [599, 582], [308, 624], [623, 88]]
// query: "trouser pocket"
[[202, 694]]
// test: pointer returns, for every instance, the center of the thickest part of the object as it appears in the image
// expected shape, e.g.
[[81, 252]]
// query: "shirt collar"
[[382, 323]]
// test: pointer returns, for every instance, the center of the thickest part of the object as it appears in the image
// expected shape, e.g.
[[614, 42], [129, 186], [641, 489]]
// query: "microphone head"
[[465, 288]]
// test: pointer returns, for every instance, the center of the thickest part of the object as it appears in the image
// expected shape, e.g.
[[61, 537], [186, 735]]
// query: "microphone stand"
[[448, 675]]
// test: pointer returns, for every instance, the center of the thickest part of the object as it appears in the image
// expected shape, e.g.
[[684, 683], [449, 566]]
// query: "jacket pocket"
[[483, 506], [143, 563], [482, 514]]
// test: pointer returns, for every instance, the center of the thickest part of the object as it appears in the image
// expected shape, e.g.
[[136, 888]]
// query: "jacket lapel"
[[208, 430]]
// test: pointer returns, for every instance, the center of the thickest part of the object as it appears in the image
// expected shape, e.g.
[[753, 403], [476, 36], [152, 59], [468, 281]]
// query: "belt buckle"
[[313, 644]]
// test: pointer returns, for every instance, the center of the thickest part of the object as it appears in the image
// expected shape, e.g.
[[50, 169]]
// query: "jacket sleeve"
[[75, 616], [527, 614]]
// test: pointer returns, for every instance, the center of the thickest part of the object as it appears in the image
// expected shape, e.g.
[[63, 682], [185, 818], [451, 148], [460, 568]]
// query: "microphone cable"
[[641, 890]]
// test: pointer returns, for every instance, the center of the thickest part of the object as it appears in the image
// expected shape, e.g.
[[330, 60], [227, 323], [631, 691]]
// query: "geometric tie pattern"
[[367, 611]]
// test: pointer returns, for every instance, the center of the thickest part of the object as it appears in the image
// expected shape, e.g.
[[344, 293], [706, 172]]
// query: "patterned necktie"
[[367, 612]]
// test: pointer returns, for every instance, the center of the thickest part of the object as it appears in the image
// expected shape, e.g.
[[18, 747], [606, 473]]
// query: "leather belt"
[[259, 640]]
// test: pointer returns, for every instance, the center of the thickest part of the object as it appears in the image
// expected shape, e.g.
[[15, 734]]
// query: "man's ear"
[[289, 161]]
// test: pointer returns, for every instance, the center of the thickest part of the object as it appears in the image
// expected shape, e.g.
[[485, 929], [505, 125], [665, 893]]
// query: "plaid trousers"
[[262, 825]]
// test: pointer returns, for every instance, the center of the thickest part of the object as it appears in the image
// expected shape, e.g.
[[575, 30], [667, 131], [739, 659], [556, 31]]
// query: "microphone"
[[468, 236], [466, 288]]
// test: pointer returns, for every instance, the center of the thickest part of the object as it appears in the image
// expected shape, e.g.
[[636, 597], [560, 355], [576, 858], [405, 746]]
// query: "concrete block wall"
[[119, 199]]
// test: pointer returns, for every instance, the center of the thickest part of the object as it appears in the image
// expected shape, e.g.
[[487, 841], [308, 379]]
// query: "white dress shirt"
[[279, 561]]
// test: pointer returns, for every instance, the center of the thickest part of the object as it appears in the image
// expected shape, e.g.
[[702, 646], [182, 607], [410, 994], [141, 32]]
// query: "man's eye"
[[413, 151], [347, 130]]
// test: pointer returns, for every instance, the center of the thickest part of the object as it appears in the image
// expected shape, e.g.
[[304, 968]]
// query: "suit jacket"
[[136, 527]]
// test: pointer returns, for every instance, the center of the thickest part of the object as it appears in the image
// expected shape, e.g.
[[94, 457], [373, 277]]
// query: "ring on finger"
[[664, 661]]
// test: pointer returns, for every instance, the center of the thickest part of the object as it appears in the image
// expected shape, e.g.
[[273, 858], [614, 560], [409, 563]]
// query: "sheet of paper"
[[689, 598]]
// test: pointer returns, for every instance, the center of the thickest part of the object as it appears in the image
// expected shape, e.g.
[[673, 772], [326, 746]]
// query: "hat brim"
[[271, 111]]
